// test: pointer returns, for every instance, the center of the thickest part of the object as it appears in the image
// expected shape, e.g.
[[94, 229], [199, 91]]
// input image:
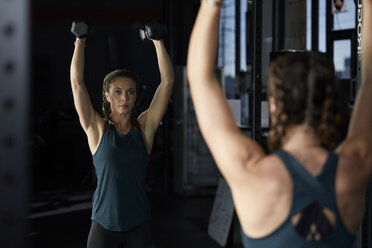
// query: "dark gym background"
[[46, 172]]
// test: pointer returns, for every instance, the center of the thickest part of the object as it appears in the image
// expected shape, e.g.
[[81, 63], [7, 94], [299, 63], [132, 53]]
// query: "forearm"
[[164, 62], [77, 63], [204, 45]]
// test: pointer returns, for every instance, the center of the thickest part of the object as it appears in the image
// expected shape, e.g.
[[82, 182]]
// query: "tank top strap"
[[328, 174], [304, 180]]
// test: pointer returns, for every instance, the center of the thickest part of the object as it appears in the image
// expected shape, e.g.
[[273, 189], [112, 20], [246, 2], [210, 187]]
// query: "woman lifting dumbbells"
[[303, 194], [120, 145]]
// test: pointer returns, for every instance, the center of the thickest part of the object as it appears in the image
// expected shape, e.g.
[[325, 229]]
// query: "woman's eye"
[[132, 92], [117, 92]]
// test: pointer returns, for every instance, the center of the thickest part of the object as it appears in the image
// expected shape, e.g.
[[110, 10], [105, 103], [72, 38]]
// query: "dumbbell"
[[80, 29], [153, 30]]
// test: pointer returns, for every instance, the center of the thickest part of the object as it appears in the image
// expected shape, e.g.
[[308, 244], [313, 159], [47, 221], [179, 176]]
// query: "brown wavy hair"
[[305, 91], [106, 107]]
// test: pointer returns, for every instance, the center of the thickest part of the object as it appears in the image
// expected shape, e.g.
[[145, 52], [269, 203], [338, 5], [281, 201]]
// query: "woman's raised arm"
[[154, 114], [359, 138], [88, 117], [232, 151]]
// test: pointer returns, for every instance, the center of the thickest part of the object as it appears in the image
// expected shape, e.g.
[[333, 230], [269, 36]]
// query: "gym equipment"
[[153, 30], [80, 29], [15, 99]]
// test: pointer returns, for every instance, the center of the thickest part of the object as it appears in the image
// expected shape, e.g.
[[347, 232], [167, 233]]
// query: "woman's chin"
[[125, 112]]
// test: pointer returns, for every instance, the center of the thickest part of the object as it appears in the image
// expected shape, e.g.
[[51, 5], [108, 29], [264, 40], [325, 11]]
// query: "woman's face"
[[122, 95]]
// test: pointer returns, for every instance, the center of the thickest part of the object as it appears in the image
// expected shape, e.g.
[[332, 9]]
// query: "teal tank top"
[[307, 190], [120, 202]]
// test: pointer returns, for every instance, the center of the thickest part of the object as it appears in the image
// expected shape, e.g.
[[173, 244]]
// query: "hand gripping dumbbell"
[[80, 29], [153, 31]]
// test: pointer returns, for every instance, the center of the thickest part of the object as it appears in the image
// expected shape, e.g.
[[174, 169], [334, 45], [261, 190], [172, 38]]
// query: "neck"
[[121, 121], [300, 137]]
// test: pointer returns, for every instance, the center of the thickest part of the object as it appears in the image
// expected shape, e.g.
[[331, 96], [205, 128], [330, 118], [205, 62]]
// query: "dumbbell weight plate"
[[80, 29], [142, 34], [156, 31], [153, 30]]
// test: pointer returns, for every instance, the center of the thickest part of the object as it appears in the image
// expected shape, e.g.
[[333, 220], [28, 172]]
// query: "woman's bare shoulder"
[[269, 171]]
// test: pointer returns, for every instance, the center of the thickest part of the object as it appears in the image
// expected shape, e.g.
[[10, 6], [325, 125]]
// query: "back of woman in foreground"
[[302, 195]]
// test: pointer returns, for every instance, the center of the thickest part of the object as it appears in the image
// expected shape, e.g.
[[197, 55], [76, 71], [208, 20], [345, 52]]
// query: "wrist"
[[80, 42], [158, 42], [217, 3]]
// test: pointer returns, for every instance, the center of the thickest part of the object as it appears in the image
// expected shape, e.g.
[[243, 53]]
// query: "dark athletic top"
[[307, 190], [119, 201]]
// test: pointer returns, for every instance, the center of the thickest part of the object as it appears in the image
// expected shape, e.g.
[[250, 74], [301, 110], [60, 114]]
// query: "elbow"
[[76, 83], [189, 74], [364, 151], [190, 69], [171, 77], [198, 71], [167, 77], [357, 147], [195, 74], [75, 79], [75, 76], [168, 82], [192, 73]]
